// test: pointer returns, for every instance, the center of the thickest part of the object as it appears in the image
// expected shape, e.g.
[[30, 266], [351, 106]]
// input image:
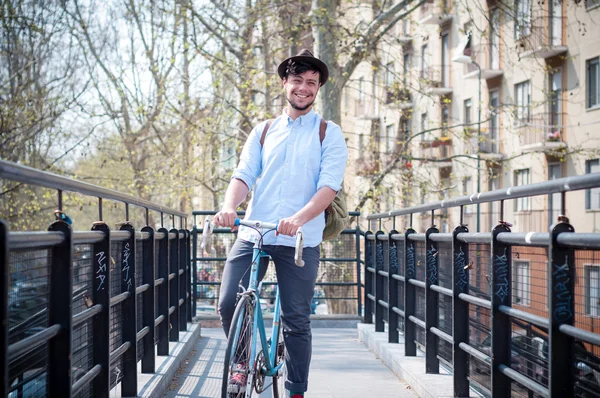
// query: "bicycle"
[[247, 329]]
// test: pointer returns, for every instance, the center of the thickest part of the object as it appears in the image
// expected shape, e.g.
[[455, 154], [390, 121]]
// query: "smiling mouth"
[[302, 96]]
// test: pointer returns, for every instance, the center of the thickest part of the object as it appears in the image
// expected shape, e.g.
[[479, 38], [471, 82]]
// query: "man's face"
[[301, 90]]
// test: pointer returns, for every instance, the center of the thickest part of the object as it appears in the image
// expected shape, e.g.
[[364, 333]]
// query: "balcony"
[[403, 32], [438, 151], [434, 12], [543, 133], [542, 37], [487, 57], [398, 97], [489, 147], [436, 80]]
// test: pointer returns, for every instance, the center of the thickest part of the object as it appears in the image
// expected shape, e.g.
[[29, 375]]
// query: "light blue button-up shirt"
[[286, 173]]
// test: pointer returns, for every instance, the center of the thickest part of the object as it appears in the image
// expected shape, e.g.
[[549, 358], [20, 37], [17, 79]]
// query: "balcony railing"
[[541, 37], [434, 12], [436, 79], [398, 96], [487, 56], [438, 151], [543, 132]]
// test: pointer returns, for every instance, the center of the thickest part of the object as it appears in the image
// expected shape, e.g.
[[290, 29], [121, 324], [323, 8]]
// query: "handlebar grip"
[[299, 247], [255, 224]]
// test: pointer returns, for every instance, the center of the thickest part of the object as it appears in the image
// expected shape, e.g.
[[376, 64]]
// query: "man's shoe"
[[237, 382], [297, 396]]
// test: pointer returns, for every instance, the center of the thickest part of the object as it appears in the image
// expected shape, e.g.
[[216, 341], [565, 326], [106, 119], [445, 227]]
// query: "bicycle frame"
[[258, 326]]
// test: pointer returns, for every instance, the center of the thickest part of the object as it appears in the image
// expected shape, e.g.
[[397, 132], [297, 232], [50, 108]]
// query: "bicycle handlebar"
[[208, 226], [299, 237]]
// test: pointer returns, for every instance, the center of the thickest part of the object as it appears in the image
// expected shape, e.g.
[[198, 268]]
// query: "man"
[[299, 178]]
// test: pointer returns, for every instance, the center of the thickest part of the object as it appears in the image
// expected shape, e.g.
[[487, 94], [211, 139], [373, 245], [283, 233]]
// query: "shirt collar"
[[302, 119]]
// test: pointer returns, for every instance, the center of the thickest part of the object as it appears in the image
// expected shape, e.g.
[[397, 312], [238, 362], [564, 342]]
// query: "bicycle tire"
[[279, 380], [240, 346]]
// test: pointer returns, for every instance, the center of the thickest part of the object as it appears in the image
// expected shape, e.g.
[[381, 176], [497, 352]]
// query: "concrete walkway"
[[342, 367]]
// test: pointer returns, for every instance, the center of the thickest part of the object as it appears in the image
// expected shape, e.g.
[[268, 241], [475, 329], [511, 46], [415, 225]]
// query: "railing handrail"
[[574, 183], [29, 175]]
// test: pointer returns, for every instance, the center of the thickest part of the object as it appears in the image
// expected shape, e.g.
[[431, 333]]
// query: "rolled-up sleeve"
[[250, 166], [334, 155]]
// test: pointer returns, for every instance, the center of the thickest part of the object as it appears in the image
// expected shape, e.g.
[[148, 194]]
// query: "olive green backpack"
[[336, 214]]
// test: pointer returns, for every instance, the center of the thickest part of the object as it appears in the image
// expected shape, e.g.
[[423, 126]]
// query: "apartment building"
[[477, 97], [466, 97]]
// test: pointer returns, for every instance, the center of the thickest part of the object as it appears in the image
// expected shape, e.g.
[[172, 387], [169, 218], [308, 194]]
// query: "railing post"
[[4, 278], [183, 284], [410, 347], [174, 286], [460, 312], [358, 279], [432, 363], [188, 274], [101, 322], [378, 254], [163, 293], [390, 246], [369, 263], [562, 309], [194, 268], [501, 326], [129, 312], [148, 258], [60, 312]]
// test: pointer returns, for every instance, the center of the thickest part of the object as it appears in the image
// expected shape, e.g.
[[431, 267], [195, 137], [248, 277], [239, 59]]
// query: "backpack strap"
[[322, 130], [264, 133]]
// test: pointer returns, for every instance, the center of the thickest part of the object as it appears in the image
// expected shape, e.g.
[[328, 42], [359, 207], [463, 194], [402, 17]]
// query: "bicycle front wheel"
[[236, 367], [279, 380]]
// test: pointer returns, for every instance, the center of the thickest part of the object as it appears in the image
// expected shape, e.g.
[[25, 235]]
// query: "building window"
[[522, 18], [425, 136], [404, 129], [390, 138], [425, 62], [521, 282], [361, 90], [445, 121], [467, 118], [522, 178], [593, 82], [592, 3], [389, 74], [523, 102], [592, 196], [592, 290], [406, 68]]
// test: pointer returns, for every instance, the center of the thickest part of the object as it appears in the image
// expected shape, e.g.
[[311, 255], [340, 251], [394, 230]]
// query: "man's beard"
[[299, 108]]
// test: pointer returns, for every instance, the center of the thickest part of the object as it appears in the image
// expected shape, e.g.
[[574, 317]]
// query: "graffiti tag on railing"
[[101, 270], [459, 264], [563, 297], [125, 265], [379, 256], [501, 276], [410, 262], [432, 264], [393, 258]]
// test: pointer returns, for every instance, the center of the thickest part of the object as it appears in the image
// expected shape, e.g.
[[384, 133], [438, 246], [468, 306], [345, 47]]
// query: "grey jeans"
[[296, 286]]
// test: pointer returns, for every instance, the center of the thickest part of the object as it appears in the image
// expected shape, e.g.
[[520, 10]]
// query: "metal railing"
[[80, 309], [509, 314], [338, 283]]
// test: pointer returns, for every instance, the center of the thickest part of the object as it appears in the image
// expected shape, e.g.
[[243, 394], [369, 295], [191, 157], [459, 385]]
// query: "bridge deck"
[[342, 367]]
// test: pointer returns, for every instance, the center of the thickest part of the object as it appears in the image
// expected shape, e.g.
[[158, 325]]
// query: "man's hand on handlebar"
[[288, 226], [226, 218]]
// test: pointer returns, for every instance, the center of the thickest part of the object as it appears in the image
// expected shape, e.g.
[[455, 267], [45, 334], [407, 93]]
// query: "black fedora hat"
[[305, 56]]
